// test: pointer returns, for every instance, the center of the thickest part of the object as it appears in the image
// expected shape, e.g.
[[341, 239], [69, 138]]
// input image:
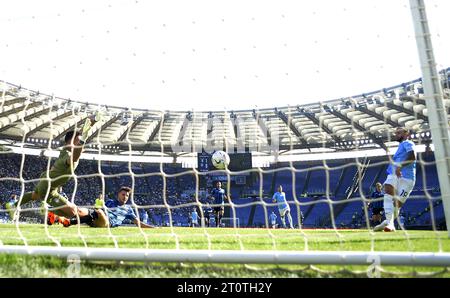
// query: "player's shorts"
[[377, 211], [54, 199], [284, 211], [403, 187], [218, 209]]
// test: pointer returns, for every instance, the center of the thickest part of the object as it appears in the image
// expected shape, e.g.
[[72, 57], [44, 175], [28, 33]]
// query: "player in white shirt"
[[283, 207]]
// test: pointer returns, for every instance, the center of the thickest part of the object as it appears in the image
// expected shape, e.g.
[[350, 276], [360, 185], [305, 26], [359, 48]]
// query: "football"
[[220, 160]]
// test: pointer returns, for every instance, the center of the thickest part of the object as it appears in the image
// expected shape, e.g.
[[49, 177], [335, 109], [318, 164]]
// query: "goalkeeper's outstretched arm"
[[83, 136]]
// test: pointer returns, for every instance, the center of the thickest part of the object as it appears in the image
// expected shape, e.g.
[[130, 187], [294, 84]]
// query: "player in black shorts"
[[376, 204], [218, 195]]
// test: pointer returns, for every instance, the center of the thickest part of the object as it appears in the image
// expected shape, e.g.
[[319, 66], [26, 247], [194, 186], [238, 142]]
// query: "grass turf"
[[213, 238]]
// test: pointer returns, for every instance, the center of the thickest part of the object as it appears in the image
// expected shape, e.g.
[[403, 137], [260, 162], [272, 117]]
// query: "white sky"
[[213, 54]]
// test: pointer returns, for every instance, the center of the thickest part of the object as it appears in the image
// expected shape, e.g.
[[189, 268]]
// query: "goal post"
[[233, 256], [438, 118], [233, 222]]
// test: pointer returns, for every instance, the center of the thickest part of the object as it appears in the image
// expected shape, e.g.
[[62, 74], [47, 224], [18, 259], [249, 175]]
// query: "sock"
[[389, 209], [396, 212], [290, 220], [283, 222]]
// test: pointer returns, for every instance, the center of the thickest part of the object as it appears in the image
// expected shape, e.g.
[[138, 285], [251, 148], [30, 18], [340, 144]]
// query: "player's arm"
[[139, 223], [77, 153], [369, 203], [84, 135], [409, 160], [210, 196]]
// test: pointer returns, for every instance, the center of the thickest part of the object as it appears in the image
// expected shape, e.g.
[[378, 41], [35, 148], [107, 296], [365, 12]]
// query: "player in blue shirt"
[[218, 196], [376, 204], [401, 177], [194, 218], [273, 219], [283, 207], [143, 216], [112, 214], [206, 214]]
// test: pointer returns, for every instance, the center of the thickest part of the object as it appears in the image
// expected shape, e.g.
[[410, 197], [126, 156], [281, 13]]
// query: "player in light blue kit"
[[283, 207], [194, 218], [273, 219], [400, 180]]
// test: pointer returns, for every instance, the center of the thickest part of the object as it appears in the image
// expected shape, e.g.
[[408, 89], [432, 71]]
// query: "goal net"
[[300, 186]]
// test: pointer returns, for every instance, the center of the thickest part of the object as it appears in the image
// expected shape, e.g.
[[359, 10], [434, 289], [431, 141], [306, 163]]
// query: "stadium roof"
[[364, 121]]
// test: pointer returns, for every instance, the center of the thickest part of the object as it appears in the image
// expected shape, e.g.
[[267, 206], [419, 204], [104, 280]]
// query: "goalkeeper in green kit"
[[61, 171]]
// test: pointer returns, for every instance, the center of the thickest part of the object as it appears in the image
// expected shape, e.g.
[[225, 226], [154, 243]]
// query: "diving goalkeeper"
[[61, 171]]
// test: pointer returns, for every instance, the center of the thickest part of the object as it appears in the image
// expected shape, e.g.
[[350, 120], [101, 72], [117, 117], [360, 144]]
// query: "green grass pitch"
[[214, 238]]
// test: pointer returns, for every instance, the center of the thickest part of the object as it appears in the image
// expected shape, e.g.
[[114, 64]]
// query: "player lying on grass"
[[61, 171], [112, 214], [400, 180]]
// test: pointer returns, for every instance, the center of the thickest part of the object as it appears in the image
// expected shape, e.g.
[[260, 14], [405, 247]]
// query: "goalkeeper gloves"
[[85, 131], [88, 123]]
